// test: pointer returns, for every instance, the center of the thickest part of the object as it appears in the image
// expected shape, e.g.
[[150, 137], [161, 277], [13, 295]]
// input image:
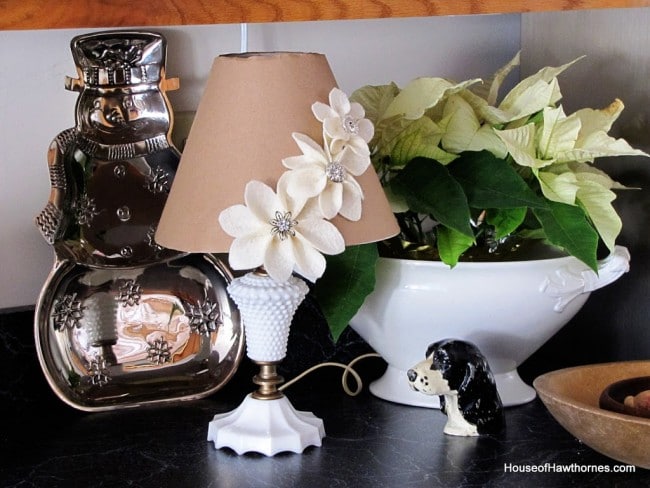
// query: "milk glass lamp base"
[[267, 427], [266, 422]]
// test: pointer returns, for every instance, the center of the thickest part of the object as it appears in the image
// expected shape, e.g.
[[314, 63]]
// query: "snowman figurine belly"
[[121, 320]]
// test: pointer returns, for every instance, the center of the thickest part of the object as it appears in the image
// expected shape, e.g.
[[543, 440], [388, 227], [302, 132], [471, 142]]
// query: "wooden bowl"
[[572, 396]]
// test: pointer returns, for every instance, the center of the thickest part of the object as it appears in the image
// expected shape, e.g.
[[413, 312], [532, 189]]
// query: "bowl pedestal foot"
[[393, 386]]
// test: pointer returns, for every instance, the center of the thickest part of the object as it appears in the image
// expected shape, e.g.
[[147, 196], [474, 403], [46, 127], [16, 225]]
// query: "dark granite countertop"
[[369, 442]]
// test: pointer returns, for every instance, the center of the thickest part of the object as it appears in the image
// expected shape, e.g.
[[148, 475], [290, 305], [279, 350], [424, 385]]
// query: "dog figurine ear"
[[459, 373]]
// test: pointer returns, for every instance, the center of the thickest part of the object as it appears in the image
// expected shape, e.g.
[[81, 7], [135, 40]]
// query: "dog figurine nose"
[[412, 375]]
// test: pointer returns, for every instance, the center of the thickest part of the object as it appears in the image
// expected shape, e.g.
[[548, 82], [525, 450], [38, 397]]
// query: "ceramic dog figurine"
[[458, 372]]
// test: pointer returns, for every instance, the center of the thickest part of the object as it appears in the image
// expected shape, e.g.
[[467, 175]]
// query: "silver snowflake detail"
[[151, 240], [85, 210], [98, 373], [283, 225], [157, 181], [204, 317], [67, 312], [351, 125], [130, 293], [159, 351], [335, 172]]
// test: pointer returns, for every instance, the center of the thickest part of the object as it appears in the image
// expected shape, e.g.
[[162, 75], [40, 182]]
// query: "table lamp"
[[276, 172]]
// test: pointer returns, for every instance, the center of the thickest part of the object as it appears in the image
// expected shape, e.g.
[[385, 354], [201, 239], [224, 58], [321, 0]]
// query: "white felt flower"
[[280, 233], [344, 122], [317, 174]]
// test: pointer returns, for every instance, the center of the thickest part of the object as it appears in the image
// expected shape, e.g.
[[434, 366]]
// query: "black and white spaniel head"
[[423, 377], [458, 372]]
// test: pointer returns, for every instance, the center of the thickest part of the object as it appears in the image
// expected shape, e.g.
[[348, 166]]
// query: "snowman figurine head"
[[122, 86]]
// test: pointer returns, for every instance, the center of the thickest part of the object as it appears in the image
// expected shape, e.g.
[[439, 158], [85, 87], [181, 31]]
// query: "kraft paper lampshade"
[[242, 130]]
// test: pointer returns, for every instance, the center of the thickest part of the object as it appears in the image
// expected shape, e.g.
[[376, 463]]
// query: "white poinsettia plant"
[[461, 169], [287, 230]]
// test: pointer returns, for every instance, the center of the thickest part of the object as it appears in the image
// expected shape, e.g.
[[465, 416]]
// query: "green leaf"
[[348, 279], [428, 188], [397, 203], [452, 244], [491, 182], [505, 221], [566, 226]]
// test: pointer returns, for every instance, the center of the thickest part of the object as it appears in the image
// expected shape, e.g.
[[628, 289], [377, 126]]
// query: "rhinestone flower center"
[[351, 125], [335, 172], [282, 225]]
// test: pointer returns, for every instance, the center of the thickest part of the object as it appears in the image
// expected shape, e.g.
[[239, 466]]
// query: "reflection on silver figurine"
[[122, 321], [458, 372]]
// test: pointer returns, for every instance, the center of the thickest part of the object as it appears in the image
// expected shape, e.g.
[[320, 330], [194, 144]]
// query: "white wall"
[[34, 106]]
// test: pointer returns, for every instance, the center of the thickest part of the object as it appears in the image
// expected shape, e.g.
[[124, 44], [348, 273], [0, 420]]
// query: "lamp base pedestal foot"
[[266, 426]]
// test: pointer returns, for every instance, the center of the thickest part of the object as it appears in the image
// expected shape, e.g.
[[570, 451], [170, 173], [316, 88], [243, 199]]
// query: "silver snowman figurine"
[[110, 174], [121, 320]]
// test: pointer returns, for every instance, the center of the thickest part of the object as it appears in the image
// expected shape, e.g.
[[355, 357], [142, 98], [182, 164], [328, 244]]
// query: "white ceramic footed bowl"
[[507, 309]]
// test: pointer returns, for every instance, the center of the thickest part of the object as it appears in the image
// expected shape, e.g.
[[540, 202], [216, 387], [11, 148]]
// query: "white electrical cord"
[[347, 370], [243, 38]]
